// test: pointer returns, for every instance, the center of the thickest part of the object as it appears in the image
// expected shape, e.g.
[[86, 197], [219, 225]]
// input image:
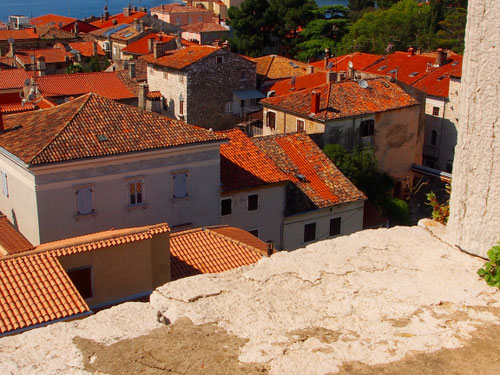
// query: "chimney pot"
[[143, 92], [94, 48], [411, 51], [315, 96], [441, 57]]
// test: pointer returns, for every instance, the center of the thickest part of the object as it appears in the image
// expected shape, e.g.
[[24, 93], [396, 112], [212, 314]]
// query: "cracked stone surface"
[[372, 298]]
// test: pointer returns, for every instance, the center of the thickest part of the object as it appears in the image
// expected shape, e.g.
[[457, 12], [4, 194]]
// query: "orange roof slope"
[[318, 183], [18, 34], [203, 27], [119, 19], [87, 48], [35, 289], [359, 61], [51, 55], [51, 19], [243, 165], [204, 250], [279, 67], [437, 82], [14, 78], [107, 84], [285, 86], [344, 99], [181, 58], [93, 126], [177, 8], [141, 47], [11, 240]]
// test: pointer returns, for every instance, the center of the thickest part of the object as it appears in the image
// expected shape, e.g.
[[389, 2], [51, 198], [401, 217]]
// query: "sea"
[[85, 8]]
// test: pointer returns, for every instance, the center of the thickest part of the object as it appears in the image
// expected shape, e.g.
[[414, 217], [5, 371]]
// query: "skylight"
[[392, 71], [440, 78], [102, 138], [413, 74], [382, 67]]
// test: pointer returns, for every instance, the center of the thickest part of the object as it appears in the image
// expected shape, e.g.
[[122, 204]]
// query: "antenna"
[[363, 84], [350, 64]]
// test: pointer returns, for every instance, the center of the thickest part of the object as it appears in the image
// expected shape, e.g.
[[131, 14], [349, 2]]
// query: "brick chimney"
[[351, 72], [411, 52], [441, 57], [40, 65], [331, 76], [315, 96], [310, 69], [127, 11], [325, 61], [76, 28], [150, 44], [131, 69], [143, 92], [12, 50]]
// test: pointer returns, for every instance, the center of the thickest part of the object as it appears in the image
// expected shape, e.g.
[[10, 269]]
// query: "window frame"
[[229, 106], [230, 199], [78, 188], [268, 122], [174, 175], [435, 111], [306, 237], [248, 202], [135, 180], [219, 59], [302, 126], [330, 234], [181, 107], [367, 128]]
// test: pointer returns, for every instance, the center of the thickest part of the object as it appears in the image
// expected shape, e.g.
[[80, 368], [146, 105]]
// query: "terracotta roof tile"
[[7, 62], [52, 32], [177, 8], [212, 250], [11, 240], [154, 95], [10, 108], [70, 131], [437, 82], [244, 165], [119, 19], [51, 19], [141, 47], [344, 99], [285, 86], [204, 27], [340, 63], [14, 78], [87, 48], [51, 55], [317, 182], [107, 84], [18, 34], [35, 289], [129, 32], [181, 58], [274, 67]]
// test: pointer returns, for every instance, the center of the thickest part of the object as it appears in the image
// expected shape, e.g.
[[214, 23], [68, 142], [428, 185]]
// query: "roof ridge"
[[235, 241], [52, 139]]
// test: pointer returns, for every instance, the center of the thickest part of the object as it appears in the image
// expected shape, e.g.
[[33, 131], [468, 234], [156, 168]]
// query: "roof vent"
[[455, 63], [301, 177], [413, 74], [102, 138], [363, 84], [382, 67], [440, 78], [295, 66]]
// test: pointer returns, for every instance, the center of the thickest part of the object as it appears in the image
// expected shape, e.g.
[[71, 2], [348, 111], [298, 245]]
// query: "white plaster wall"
[[293, 227], [475, 201], [171, 84], [268, 218], [56, 186], [20, 206]]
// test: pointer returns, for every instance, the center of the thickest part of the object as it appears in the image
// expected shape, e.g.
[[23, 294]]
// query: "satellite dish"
[[10, 40], [330, 65], [74, 51], [295, 66], [350, 64], [363, 84]]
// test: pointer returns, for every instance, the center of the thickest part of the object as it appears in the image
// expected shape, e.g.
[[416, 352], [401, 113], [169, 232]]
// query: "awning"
[[249, 94]]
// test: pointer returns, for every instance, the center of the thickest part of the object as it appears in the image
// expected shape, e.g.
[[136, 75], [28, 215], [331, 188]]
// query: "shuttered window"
[[84, 201], [180, 185], [136, 194]]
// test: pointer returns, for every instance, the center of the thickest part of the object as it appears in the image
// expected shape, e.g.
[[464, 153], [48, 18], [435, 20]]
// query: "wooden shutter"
[[180, 185], [84, 201]]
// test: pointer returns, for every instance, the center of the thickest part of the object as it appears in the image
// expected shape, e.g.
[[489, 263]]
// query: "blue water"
[[84, 8]]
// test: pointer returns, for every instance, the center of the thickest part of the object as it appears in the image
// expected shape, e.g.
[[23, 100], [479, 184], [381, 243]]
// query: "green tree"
[[250, 25], [403, 25], [452, 30], [73, 68], [356, 5], [324, 32], [386, 3]]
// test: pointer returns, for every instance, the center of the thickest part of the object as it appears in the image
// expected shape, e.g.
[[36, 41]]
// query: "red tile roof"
[[7, 62], [87, 48], [274, 67], [107, 84], [73, 130], [127, 34], [204, 27], [53, 33], [317, 182], [35, 289], [344, 99], [154, 94], [51, 55], [244, 165], [437, 81], [340, 63], [120, 19], [181, 58], [177, 8], [208, 250], [11, 240], [18, 34], [141, 47], [285, 86], [51, 19], [14, 78], [7, 109]]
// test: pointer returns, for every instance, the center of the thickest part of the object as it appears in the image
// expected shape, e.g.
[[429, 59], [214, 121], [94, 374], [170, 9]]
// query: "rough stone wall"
[[211, 85], [474, 223]]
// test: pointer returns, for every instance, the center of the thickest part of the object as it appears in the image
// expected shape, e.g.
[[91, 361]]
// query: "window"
[[135, 192], [82, 279], [309, 232], [242, 104], [434, 136], [243, 75], [254, 232], [180, 185], [181, 78], [300, 125], [435, 111], [226, 206], [367, 128], [178, 21], [181, 107], [271, 119], [5, 185], [335, 226], [229, 107], [253, 102], [253, 202], [219, 59], [84, 200]]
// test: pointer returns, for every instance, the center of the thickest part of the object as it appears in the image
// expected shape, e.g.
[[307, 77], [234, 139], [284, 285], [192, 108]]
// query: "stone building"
[[204, 85], [181, 15]]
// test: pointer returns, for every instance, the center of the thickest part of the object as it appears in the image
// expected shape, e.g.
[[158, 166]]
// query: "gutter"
[[443, 176]]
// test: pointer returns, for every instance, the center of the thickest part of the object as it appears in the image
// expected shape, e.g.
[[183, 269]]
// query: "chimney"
[[127, 11], [40, 65], [157, 49], [143, 92], [310, 69], [12, 50], [411, 52], [325, 61], [150, 44], [441, 57], [350, 72], [419, 51], [331, 76], [136, 24], [270, 249], [2, 129], [141, 26], [131, 69], [33, 61], [189, 3], [76, 28], [106, 13], [102, 18], [315, 96], [95, 50]]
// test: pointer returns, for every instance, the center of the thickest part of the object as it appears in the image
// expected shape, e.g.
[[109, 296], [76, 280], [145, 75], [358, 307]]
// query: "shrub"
[[489, 272], [440, 212], [398, 211]]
